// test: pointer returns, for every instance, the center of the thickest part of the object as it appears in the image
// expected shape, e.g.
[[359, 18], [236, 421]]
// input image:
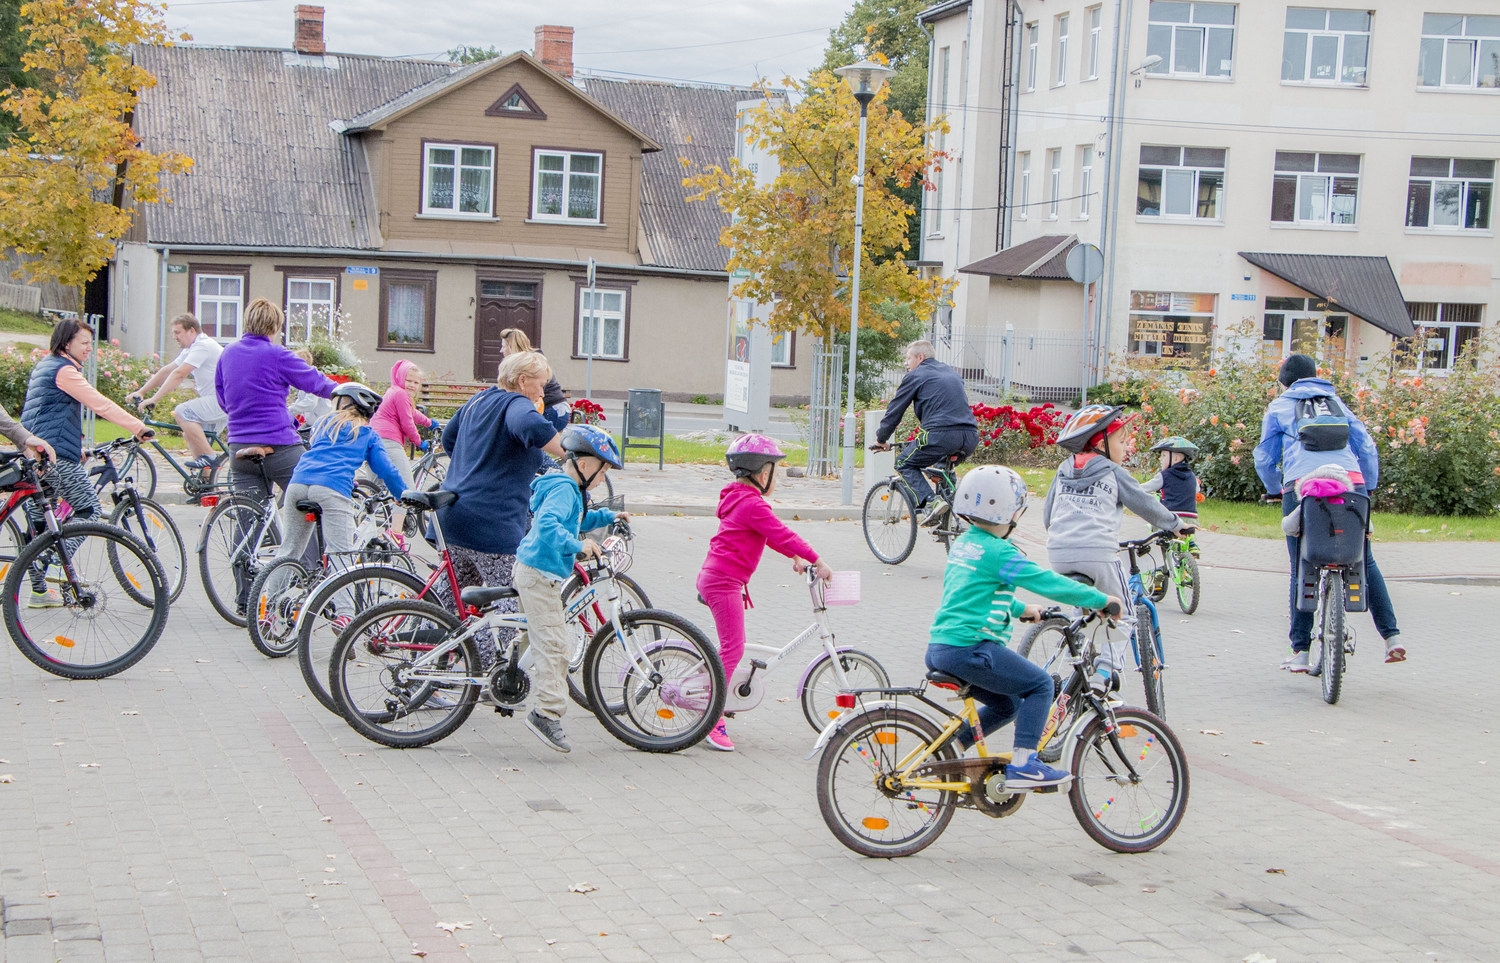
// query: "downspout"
[[1012, 106], [161, 301], [927, 115], [1113, 158], [963, 131]]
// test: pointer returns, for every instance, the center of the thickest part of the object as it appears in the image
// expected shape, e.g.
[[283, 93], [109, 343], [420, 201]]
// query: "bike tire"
[[1188, 585], [362, 675], [676, 704], [216, 547], [890, 523], [583, 629], [1046, 645], [1146, 641], [277, 595], [1120, 815], [821, 684], [141, 468], [1331, 635], [88, 637], [347, 593], [13, 539], [161, 535], [1156, 571], [857, 810]]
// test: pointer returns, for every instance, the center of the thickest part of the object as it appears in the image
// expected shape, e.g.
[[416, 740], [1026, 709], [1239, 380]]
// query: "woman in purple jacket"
[[255, 374]]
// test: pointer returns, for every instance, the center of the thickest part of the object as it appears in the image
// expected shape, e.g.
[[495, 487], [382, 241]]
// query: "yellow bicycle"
[[890, 777]]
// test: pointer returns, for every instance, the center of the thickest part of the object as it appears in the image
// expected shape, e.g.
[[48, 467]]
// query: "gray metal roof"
[[1039, 259], [693, 122], [1363, 286], [942, 10]]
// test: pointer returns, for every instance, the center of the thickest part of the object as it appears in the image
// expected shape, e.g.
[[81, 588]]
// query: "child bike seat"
[[429, 500], [480, 595], [945, 681]]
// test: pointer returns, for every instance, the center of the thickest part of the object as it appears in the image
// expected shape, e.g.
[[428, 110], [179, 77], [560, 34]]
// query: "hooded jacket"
[[1086, 504], [1280, 458], [557, 516], [746, 526], [397, 417]]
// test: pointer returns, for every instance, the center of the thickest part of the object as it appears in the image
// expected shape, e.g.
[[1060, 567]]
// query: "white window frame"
[[1182, 169], [1463, 183], [1444, 327], [1060, 50], [1054, 182], [1096, 41], [568, 178], [602, 317], [1023, 161], [1481, 38], [459, 168], [1033, 43], [1307, 184], [219, 300], [301, 311], [1344, 75], [1180, 37], [781, 349], [1085, 179], [932, 213]]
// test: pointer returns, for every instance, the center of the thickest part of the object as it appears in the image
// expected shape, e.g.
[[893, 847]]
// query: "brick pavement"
[[231, 818]]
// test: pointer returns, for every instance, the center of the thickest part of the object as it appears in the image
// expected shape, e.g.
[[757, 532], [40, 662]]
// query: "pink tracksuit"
[[746, 526]]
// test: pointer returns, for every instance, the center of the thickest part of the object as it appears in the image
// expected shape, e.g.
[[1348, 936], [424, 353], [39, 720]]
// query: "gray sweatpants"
[[1111, 577], [296, 530]]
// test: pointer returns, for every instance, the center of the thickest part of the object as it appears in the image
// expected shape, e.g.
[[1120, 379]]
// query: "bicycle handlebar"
[[1137, 544]]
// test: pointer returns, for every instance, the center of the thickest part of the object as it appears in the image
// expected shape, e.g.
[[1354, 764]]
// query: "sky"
[[713, 41]]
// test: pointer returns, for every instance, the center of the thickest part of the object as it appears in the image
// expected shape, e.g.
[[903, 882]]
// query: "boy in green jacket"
[[973, 623]]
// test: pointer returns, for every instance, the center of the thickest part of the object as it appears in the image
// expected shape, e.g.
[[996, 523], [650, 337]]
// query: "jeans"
[[1381, 609], [1005, 684], [931, 448]]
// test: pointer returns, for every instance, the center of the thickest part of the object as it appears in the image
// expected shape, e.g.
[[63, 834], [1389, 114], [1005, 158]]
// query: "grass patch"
[[19, 322], [694, 451], [1264, 521]]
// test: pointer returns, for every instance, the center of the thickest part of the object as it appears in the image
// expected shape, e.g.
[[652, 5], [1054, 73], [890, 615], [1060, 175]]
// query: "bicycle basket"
[[1333, 528], [843, 589]]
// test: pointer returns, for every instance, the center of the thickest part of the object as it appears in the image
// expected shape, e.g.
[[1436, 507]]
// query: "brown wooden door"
[[501, 305]]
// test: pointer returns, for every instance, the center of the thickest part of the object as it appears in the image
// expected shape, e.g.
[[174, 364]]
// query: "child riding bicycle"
[[1176, 484], [973, 623]]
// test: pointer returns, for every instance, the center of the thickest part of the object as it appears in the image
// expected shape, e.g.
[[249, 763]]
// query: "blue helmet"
[[589, 440]]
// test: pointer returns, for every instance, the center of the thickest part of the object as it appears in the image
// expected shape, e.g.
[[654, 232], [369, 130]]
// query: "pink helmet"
[[751, 453]]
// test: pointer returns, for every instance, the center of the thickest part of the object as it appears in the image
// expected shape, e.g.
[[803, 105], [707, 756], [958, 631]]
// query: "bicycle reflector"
[[844, 700], [208, 501]]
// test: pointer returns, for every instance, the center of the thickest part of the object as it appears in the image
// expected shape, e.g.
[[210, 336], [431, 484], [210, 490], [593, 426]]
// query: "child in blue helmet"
[[544, 560]]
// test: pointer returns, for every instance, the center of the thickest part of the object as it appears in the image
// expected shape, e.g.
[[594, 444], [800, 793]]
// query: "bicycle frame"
[[1138, 597], [765, 658], [214, 441]]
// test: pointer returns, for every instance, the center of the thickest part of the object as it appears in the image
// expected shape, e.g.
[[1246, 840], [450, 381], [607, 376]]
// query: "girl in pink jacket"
[[397, 418], [746, 526]]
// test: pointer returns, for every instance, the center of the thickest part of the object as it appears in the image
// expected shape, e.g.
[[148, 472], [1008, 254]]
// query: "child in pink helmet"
[[746, 526]]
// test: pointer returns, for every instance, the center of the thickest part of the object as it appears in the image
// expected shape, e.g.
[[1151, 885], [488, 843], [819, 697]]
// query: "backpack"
[[1322, 424]]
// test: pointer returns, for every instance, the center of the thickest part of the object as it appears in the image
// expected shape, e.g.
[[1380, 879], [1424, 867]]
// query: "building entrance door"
[[501, 305]]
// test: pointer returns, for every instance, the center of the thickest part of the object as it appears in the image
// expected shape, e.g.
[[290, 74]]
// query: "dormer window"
[[457, 180]]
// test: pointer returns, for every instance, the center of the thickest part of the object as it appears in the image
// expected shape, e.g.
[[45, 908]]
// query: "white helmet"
[[991, 493]]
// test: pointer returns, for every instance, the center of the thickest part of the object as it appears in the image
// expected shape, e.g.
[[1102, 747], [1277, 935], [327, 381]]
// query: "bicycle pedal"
[[507, 713]]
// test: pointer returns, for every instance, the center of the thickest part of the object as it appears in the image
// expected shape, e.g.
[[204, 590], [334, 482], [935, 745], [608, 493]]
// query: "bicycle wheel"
[[140, 467], [1146, 641], [1156, 571], [863, 812], [381, 689], [1121, 812], [657, 685], [1331, 636], [335, 601], [160, 534], [589, 622], [890, 523], [237, 538], [821, 683], [1046, 644], [950, 530], [102, 626], [13, 539], [276, 598], [1186, 568]]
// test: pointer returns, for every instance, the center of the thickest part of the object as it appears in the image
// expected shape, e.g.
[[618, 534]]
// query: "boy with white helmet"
[[973, 623]]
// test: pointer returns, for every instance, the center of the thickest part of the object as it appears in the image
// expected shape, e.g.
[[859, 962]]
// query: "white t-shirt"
[[203, 355]]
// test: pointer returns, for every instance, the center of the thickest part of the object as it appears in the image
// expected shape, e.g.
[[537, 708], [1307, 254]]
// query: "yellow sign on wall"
[[360, 284]]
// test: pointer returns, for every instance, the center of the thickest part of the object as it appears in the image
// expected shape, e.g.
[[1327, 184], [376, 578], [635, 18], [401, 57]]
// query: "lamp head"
[[865, 79], [1152, 61]]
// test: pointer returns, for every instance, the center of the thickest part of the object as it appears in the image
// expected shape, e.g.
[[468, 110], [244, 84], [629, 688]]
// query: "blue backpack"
[[1322, 424]]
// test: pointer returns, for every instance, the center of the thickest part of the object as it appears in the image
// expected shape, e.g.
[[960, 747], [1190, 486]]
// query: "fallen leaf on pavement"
[[550, 942], [332, 882], [715, 914], [1238, 631], [1258, 958], [1256, 742], [602, 933], [57, 700], [418, 953], [327, 819], [1212, 732], [95, 765], [784, 699], [6, 777], [450, 927], [722, 937], [1279, 871], [202, 661], [50, 894], [582, 888]]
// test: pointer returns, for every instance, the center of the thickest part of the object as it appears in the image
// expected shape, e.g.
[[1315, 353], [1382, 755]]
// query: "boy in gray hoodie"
[[1083, 511]]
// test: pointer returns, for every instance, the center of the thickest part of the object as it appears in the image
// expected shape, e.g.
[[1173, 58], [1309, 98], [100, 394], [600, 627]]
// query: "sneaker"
[[1394, 650], [340, 623], [550, 731], [48, 598], [397, 539], [200, 463], [55, 574], [1035, 775], [1296, 662], [719, 738], [935, 513]]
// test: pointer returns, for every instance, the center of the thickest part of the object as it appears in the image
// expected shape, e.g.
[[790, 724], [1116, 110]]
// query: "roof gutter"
[[353, 254]]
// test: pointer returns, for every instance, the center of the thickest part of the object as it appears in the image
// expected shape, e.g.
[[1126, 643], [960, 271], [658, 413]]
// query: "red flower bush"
[[587, 412], [1010, 434]]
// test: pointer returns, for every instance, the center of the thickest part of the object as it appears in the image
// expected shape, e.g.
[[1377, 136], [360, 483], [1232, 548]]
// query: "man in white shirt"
[[198, 359]]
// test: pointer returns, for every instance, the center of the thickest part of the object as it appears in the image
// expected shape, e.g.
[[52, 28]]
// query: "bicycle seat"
[[1078, 577], [428, 500], [480, 596], [945, 681], [254, 452], [309, 507]]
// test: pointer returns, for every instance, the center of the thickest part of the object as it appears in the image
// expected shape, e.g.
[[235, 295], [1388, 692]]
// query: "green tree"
[[466, 54], [881, 352], [12, 71]]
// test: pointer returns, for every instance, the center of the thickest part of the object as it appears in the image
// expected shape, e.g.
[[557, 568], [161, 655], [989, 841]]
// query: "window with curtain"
[[457, 180], [566, 186]]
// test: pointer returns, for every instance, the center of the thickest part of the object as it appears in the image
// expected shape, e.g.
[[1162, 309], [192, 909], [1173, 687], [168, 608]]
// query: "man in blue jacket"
[[1281, 459], [948, 425]]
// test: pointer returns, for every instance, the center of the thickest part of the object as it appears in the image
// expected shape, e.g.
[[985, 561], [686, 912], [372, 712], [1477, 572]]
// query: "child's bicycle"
[[1331, 580], [1174, 563], [890, 777], [890, 516]]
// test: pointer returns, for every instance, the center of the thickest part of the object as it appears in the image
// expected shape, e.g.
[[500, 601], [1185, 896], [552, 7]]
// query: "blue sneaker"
[[1034, 775]]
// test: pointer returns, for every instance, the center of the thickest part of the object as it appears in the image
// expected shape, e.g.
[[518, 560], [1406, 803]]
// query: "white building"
[[1321, 177]]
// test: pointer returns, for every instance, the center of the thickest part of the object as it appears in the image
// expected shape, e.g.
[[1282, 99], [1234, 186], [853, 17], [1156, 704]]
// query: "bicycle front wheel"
[[110, 605], [1332, 636], [237, 539], [862, 808], [1188, 589], [276, 599], [140, 468], [890, 523], [589, 621], [1146, 641], [157, 529], [1046, 645], [860, 671], [332, 606], [657, 685], [387, 686], [1130, 788]]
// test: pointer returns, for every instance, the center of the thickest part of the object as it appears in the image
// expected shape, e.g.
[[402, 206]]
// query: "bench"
[[450, 394]]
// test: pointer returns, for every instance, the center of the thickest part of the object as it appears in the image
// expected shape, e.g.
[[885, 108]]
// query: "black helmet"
[[362, 399]]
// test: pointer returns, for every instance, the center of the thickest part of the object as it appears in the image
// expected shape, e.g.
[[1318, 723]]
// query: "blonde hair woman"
[[555, 407]]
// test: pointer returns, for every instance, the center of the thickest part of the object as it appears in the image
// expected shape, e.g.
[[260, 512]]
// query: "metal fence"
[[1006, 363], [823, 412]]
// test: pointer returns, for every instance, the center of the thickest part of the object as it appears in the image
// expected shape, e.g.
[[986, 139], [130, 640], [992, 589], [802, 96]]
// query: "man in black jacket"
[[948, 426]]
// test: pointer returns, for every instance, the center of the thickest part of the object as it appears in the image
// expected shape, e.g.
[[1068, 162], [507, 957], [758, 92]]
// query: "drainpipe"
[[1113, 157], [1012, 109], [161, 301]]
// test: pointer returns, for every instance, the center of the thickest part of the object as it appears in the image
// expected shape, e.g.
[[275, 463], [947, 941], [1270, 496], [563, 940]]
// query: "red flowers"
[[1040, 423], [591, 411], [339, 379]]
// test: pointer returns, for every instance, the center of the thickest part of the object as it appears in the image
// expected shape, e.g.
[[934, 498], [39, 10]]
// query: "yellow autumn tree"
[[795, 235], [75, 167]]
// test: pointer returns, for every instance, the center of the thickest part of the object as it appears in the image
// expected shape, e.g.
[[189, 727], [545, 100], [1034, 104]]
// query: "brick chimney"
[[554, 48], [308, 36]]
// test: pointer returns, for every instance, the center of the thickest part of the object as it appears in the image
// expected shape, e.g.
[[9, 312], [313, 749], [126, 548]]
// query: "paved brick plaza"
[[203, 806]]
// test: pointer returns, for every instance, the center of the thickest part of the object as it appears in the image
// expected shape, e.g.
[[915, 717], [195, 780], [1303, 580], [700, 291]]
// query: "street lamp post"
[[865, 79]]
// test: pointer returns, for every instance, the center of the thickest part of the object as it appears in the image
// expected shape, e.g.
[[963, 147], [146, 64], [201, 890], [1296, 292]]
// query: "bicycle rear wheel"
[[657, 685], [113, 607], [237, 539], [1331, 636], [161, 536], [1121, 812], [890, 523], [588, 624], [276, 599], [861, 810], [1146, 641], [821, 684], [1188, 588], [333, 604], [382, 691]]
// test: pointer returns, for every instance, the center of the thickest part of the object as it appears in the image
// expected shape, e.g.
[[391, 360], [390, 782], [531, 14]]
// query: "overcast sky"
[[722, 41]]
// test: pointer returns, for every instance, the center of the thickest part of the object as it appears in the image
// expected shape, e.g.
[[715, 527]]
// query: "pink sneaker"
[[719, 738], [340, 623], [397, 539]]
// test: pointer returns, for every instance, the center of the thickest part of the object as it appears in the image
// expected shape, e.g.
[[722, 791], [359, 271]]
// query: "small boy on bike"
[[1176, 484], [544, 560], [973, 623], [1084, 508]]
